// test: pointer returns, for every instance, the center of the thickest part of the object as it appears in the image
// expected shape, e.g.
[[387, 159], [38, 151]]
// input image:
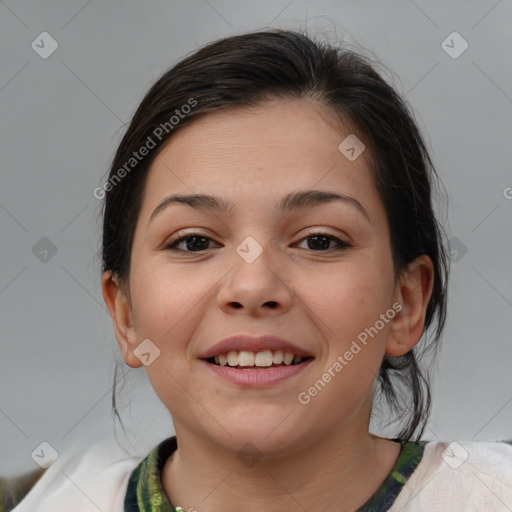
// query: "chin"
[[256, 437]]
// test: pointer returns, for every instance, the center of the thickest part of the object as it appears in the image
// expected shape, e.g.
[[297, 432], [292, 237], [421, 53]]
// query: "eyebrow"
[[298, 200]]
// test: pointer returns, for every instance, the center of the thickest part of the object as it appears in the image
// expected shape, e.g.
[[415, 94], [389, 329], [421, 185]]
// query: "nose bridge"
[[252, 263], [254, 281]]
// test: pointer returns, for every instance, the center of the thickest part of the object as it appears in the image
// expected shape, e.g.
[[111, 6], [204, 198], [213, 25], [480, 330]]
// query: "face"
[[256, 269]]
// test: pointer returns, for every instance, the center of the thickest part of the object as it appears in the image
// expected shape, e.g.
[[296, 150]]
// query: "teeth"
[[246, 358], [262, 359], [233, 358], [278, 357], [288, 358]]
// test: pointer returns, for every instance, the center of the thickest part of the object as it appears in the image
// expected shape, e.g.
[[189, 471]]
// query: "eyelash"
[[172, 244]]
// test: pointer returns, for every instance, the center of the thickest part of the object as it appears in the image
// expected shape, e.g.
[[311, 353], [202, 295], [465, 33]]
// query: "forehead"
[[250, 154]]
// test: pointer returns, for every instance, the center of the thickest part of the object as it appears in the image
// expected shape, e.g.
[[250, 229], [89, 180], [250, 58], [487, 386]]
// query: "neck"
[[339, 472]]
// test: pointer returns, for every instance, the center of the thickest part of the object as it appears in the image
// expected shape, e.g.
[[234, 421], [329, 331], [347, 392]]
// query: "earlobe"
[[414, 292], [395, 345], [129, 347], [120, 312]]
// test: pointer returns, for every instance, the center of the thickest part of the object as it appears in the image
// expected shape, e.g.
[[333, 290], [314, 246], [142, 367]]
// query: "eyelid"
[[342, 243], [338, 234], [321, 231], [181, 235]]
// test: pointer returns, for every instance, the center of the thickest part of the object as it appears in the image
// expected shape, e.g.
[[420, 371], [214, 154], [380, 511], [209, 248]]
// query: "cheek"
[[352, 298], [161, 294], [167, 310], [350, 308], [165, 305]]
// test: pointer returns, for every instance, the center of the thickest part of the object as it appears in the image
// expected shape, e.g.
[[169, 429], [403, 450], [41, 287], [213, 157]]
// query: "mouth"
[[248, 360]]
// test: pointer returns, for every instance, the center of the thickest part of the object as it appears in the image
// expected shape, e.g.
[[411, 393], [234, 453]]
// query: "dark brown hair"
[[249, 69]]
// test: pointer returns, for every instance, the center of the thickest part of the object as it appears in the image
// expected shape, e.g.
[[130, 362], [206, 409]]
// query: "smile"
[[250, 360]]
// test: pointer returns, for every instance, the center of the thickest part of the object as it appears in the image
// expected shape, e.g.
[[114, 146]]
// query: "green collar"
[[145, 492]]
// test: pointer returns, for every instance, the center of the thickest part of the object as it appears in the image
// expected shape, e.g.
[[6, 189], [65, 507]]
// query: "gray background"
[[62, 118]]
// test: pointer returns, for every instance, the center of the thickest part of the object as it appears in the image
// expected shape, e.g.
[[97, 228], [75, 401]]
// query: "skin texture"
[[318, 456]]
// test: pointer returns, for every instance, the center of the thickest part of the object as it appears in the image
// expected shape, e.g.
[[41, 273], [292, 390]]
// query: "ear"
[[119, 307], [413, 291]]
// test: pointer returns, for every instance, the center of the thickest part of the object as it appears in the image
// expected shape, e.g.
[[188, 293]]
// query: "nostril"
[[272, 304]]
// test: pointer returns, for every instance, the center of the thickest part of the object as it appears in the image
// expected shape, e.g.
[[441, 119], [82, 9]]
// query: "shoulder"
[[460, 476], [493, 458], [14, 489], [88, 476]]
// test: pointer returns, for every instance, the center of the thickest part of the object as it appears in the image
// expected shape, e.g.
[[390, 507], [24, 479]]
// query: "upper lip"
[[253, 344]]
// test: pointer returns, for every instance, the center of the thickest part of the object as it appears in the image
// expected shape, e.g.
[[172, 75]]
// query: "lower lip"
[[258, 378]]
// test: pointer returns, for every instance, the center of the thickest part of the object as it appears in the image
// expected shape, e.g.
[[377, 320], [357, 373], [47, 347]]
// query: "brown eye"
[[193, 242], [323, 241]]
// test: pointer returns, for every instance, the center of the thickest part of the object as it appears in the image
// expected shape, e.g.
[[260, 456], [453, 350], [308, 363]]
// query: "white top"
[[461, 476], [451, 477], [87, 478]]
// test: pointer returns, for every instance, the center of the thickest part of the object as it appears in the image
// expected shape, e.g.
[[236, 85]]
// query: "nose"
[[256, 288]]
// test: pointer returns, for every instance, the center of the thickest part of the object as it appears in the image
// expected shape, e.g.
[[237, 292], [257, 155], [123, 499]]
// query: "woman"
[[272, 259]]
